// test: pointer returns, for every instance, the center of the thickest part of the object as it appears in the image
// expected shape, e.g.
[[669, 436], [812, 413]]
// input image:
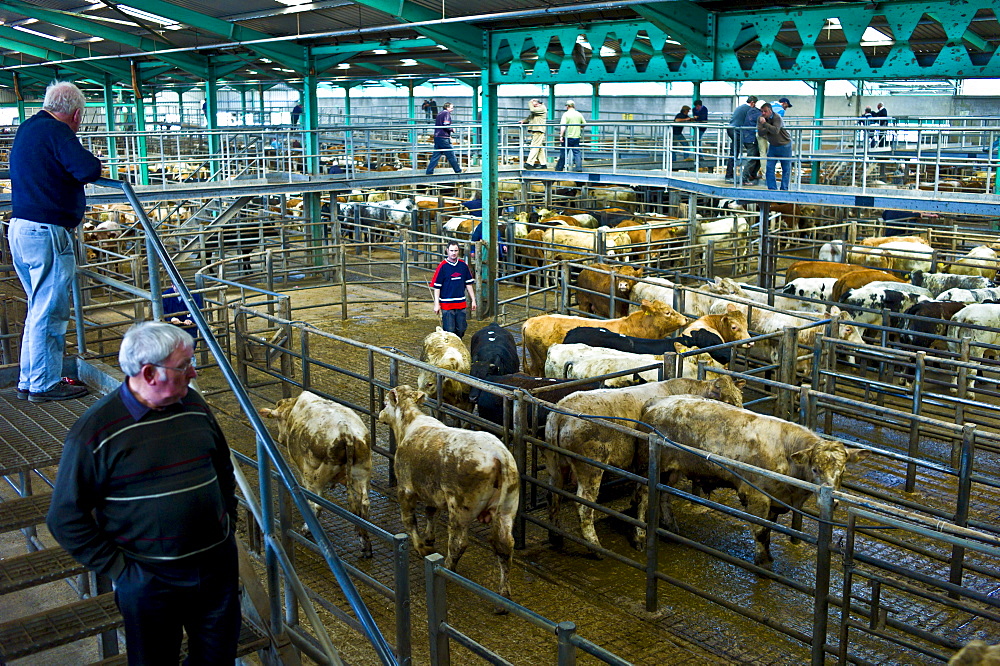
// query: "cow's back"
[[326, 431]]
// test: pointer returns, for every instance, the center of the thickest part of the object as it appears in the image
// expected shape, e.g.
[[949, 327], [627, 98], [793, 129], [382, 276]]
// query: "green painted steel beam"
[[376, 68], [646, 55], [95, 74], [437, 64], [464, 39], [686, 22], [74, 22], [47, 49], [326, 63], [289, 55], [393, 45]]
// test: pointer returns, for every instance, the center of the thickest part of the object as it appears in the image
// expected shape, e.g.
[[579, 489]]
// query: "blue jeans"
[[454, 321], [157, 601], [45, 263], [442, 146], [680, 141], [571, 145], [777, 154]]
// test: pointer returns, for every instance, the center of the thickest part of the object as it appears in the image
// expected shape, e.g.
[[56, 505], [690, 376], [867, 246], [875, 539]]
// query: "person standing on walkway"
[[699, 114], [748, 137], [536, 128], [736, 121], [882, 114], [296, 113], [771, 127], [781, 106], [442, 141], [146, 496], [570, 132], [48, 169], [452, 281], [680, 141]]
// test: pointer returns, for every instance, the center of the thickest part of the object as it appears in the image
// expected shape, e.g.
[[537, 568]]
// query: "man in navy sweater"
[[452, 280], [48, 169], [146, 496]]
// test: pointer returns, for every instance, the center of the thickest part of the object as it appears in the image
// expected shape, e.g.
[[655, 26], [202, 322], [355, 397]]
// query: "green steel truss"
[[680, 41]]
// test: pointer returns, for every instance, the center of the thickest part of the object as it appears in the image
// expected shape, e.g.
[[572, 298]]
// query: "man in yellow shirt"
[[570, 133]]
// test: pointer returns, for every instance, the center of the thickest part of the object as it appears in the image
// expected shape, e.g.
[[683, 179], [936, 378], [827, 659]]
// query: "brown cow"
[[860, 278], [709, 330], [471, 474], [588, 438], [796, 216], [764, 441], [597, 279], [329, 444], [653, 320], [446, 351], [875, 241], [652, 235], [811, 269]]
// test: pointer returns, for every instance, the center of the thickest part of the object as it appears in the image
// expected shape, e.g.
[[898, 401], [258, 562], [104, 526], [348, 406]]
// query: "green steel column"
[[819, 110], [551, 104], [595, 111], [347, 105], [695, 92], [310, 120], [411, 109], [488, 307], [109, 125], [180, 107], [140, 128], [475, 134], [243, 106], [212, 97], [260, 104]]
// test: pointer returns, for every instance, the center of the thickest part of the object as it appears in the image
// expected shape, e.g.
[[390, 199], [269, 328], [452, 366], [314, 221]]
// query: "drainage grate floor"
[[32, 434]]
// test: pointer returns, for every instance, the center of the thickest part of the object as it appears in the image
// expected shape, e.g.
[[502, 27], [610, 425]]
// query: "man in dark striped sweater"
[[146, 496]]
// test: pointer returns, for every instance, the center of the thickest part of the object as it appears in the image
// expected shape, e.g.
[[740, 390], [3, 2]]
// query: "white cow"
[[446, 351], [579, 361]]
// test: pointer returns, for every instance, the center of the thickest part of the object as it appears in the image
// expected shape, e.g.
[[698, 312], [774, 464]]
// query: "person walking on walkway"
[[536, 128], [570, 132], [48, 169], [452, 281], [442, 141], [146, 496], [771, 127]]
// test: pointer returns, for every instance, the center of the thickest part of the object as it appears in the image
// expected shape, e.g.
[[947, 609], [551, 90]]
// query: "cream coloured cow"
[[470, 474], [329, 444], [592, 440], [446, 351], [579, 361], [757, 439]]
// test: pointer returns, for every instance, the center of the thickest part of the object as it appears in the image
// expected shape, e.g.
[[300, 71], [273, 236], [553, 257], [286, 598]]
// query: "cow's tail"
[[504, 498]]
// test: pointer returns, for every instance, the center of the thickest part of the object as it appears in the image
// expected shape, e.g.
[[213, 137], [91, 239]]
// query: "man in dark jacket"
[[442, 141], [146, 496], [48, 169]]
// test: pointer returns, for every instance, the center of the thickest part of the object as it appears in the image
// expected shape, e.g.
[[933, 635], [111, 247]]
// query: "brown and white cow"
[[603, 279], [471, 474], [446, 351], [590, 439], [801, 269], [652, 320], [710, 330], [858, 279], [757, 439], [329, 444]]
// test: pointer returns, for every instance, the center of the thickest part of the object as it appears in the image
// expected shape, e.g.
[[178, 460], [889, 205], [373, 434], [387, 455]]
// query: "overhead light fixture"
[[408, 62], [38, 34], [379, 51], [147, 16], [343, 65]]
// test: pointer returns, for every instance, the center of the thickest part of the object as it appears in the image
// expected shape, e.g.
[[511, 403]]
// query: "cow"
[[446, 351], [649, 234], [801, 269], [696, 301], [933, 318], [976, 653], [652, 320], [858, 279], [577, 361], [493, 351], [878, 241], [878, 298], [329, 444], [986, 316], [545, 388], [604, 279], [940, 282], [970, 295], [980, 261], [768, 321], [564, 242], [764, 441], [708, 331], [725, 232], [820, 289], [796, 217], [471, 474], [587, 438], [907, 257]]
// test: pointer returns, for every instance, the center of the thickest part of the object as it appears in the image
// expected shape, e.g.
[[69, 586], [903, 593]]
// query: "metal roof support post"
[[243, 106], [347, 105], [212, 115], [260, 103], [20, 98], [490, 191], [551, 111], [411, 110], [109, 124], [595, 110], [475, 135], [310, 120], [140, 128], [819, 110]]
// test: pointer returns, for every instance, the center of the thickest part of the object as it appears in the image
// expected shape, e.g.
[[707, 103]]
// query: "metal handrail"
[[264, 440]]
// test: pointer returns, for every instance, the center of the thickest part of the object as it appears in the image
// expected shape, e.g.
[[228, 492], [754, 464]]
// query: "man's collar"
[[136, 409]]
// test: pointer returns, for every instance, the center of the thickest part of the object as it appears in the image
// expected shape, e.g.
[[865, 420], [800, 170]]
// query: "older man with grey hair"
[[48, 169], [146, 496]]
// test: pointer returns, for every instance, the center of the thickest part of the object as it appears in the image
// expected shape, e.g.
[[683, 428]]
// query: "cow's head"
[[826, 461], [398, 400], [727, 390], [483, 368], [281, 409], [734, 325]]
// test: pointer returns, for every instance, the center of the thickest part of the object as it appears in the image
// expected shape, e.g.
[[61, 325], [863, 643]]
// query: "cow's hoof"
[[500, 610], [556, 540], [597, 555], [424, 551]]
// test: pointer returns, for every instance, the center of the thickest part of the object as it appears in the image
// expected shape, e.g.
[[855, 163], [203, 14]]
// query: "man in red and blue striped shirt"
[[452, 280]]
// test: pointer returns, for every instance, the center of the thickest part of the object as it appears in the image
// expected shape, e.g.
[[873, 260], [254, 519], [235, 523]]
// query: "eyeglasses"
[[181, 368]]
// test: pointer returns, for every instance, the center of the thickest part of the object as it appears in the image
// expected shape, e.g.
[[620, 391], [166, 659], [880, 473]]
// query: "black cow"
[[602, 337], [491, 405], [937, 314], [494, 352]]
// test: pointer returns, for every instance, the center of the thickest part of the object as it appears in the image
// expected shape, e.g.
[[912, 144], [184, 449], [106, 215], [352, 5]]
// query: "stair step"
[[42, 566], [24, 512], [59, 626], [251, 640]]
